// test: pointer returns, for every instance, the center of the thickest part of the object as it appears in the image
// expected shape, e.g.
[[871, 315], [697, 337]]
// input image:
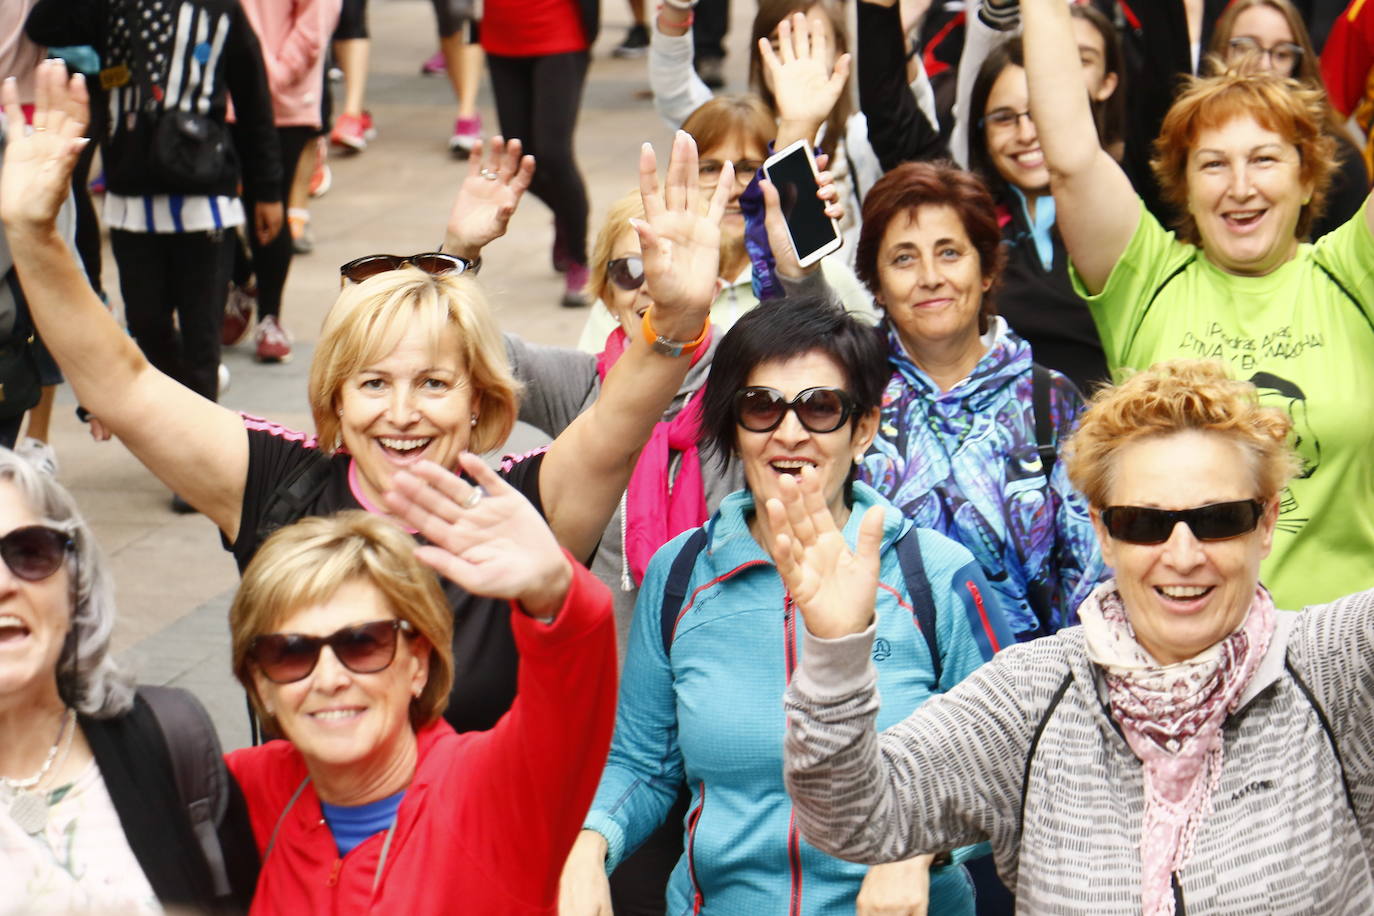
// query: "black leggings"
[[272, 262], [537, 99], [352, 21], [454, 15]]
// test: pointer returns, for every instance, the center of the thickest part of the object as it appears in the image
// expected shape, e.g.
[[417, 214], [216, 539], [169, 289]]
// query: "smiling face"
[[1268, 29], [34, 616], [738, 149], [791, 446], [343, 722], [414, 403], [930, 278], [627, 305], [1246, 194], [1184, 595], [1014, 148]]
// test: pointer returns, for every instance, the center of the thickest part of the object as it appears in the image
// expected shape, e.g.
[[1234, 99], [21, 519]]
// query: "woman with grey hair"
[[91, 817]]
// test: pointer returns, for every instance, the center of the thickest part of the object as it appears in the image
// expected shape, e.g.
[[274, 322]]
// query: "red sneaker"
[[273, 343], [349, 133], [238, 314]]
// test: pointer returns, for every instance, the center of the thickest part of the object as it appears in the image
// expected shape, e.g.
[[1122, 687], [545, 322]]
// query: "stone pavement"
[[175, 582]]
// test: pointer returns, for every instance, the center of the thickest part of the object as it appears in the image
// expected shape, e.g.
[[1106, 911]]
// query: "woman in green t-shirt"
[[1244, 160]]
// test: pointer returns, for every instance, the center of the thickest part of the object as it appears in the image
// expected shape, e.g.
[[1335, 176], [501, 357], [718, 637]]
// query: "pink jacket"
[[294, 35]]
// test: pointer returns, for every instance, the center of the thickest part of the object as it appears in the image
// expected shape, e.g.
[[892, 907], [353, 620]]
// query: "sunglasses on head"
[[35, 552], [821, 409], [363, 649], [434, 263], [1217, 522], [626, 273]]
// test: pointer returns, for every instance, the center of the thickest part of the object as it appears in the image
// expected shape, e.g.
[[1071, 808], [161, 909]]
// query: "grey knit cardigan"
[[1290, 826]]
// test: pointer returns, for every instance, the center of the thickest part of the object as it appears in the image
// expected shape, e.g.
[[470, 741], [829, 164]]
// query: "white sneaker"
[[223, 379], [39, 454]]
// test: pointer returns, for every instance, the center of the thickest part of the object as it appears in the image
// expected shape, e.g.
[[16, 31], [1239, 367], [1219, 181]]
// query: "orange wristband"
[[669, 347]]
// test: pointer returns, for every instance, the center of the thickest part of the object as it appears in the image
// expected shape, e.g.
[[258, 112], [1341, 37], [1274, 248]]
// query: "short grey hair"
[[88, 678]]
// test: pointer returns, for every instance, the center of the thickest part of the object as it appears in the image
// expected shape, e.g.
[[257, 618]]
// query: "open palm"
[[38, 164], [806, 86], [488, 196]]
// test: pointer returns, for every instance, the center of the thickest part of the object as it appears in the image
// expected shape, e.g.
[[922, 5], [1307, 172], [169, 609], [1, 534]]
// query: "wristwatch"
[[669, 347]]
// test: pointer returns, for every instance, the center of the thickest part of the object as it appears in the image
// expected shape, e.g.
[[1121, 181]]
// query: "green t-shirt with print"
[[1304, 335]]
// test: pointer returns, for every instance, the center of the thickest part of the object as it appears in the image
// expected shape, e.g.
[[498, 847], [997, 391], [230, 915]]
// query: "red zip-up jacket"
[[490, 816]]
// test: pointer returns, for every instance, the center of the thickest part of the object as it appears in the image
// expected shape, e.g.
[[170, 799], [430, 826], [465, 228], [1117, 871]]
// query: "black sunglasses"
[[435, 263], [1217, 522], [364, 649], [821, 409], [35, 552], [626, 273]]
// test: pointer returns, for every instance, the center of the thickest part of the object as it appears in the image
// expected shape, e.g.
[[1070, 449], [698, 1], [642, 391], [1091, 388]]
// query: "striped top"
[[172, 212], [1282, 836]]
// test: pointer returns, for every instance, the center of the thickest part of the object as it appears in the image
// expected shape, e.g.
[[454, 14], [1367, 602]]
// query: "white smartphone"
[[793, 172]]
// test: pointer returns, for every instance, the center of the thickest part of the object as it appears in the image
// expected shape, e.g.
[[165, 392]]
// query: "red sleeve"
[[1348, 55], [541, 764]]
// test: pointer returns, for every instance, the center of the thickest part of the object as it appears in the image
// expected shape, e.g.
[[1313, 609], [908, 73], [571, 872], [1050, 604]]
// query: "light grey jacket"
[[1282, 836]]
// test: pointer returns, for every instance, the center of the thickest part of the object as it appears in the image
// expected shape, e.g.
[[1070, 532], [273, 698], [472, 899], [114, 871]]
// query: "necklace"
[[28, 808]]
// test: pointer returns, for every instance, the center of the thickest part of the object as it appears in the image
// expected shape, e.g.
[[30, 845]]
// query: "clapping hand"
[[835, 588], [496, 180], [486, 538], [38, 164], [681, 243], [805, 85]]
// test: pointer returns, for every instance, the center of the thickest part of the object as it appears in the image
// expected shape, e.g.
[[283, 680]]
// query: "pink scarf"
[[657, 507], [1171, 716]]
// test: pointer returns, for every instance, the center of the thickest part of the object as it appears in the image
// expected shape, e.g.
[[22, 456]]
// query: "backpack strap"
[[294, 496], [201, 777], [1041, 384], [675, 587], [918, 589], [1326, 727], [1058, 695]]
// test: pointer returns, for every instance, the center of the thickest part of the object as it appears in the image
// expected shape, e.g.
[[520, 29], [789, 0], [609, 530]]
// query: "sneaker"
[[466, 132], [561, 259], [238, 313], [348, 133], [712, 71], [302, 239], [181, 506], [575, 286], [369, 132], [636, 43], [223, 378], [38, 453], [435, 65], [321, 178], [273, 343], [335, 75]]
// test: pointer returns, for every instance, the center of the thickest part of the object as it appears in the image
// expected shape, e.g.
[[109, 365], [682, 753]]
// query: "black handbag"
[[191, 151], [19, 385]]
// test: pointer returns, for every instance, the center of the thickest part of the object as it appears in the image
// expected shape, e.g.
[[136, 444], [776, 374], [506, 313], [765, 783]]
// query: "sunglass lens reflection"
[[626, 273]]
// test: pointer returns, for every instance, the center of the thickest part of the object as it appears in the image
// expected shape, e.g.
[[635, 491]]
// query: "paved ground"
[[175, 582]]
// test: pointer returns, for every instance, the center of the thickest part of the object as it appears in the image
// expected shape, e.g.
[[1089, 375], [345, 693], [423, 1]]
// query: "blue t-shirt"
[[351, 824]]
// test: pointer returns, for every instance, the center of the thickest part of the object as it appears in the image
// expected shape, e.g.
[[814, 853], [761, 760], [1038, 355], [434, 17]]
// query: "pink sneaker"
[[434, 65], [273, 343], [575, 286], [466, 132]]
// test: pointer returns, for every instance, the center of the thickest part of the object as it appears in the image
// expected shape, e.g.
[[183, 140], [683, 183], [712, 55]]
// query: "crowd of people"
[[1015, 557]]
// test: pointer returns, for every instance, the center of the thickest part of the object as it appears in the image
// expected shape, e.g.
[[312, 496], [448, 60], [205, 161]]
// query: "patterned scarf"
[[1172, 716]]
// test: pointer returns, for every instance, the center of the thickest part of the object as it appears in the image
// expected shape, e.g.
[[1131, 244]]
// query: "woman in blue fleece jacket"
[[795, 388]]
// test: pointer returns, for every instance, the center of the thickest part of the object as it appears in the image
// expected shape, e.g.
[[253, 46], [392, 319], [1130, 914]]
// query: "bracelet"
[[685, 6], [669, 347]]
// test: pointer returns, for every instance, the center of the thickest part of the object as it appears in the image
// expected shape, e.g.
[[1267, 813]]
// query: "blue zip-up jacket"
[[710, 712], [964, 462]]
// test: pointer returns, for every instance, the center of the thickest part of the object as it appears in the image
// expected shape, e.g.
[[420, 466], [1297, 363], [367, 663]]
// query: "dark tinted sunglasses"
[[34, 552], [821, 409], [364, 649], [435, 263], [626, 273], [1217, 522]]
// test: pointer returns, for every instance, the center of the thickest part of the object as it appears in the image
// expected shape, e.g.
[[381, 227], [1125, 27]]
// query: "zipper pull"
[[334, 873]]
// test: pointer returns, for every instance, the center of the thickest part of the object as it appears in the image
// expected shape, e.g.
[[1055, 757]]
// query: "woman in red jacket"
[[373, 803]]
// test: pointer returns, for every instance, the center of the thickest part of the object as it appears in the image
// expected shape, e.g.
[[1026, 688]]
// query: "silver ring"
[[473, 499], [488, 174]]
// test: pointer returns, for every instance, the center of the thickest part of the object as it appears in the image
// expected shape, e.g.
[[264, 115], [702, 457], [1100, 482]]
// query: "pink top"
[[294, 35], [18, 55]]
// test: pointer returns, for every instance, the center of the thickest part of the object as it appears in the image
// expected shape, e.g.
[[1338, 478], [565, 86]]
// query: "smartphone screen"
[[811, 229]]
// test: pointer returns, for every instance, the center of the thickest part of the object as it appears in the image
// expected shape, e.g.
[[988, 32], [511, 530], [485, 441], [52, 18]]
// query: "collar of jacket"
[[1006, 360]]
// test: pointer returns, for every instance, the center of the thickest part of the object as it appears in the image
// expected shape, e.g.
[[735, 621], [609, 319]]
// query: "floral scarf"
[[1171, 716]]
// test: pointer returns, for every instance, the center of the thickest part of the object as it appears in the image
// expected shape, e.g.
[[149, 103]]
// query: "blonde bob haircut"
[[305, 564], [1288, 108], [617, 223], [1173, 397], [369, 319]]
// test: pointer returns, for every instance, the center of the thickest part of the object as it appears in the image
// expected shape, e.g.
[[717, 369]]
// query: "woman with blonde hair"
[[1207, 747]]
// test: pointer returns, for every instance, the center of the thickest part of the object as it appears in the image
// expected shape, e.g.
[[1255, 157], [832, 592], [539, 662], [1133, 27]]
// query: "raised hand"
[[805, 85], [681, 243], [834, 588], [38, 164], [779, 239], [497, 178], [487, 538]]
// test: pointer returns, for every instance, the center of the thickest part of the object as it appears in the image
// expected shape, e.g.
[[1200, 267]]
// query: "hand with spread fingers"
[[498, 176], [486, 538], [38, 163], [805, 83], [779, 239], [680, 240], [834, 587]]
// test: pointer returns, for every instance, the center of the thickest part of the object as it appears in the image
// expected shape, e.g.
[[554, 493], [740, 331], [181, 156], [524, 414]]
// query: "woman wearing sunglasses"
[[91, 820], [409, 367], [795, 384], [1187, 749], [341, 637]]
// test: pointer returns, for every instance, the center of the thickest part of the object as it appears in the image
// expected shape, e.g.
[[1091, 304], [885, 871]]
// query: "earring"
[[474, 420]]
